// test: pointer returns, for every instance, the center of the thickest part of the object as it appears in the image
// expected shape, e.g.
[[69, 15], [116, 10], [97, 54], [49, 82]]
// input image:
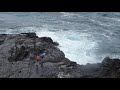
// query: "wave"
[[77, 47], [83, 37], [68, 15]]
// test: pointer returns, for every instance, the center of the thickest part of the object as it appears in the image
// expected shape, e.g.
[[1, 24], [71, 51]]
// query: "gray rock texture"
[[17, 60]]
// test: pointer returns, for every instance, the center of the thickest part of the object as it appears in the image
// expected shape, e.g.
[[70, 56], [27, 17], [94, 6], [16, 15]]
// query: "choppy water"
[[84, 37]]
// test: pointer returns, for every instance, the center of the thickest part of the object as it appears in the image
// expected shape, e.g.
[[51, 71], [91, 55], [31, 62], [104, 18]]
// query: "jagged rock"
[[20, 55], [3, 35], [1, 42], [56, 43], [2, 38], [47, 39], [106, 61], [30, 35], [110, 68], [62, 75], [72, 64], [21, 64]]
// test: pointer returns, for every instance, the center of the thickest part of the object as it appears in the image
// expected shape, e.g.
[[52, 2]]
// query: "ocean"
[[84, 37]]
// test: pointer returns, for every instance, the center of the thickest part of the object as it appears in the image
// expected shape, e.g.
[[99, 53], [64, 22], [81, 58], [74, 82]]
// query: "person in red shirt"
[[38, 59]]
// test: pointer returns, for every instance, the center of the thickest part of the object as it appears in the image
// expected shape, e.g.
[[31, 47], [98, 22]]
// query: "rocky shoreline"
[[16, 60]]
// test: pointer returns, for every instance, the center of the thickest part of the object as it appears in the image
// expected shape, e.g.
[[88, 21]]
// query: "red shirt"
[[37, 57]]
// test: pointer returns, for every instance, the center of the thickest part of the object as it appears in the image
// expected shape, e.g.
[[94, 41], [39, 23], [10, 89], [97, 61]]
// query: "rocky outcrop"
[[30, 35], [17, 60], [2, 38], [16, 57], [48, 41], [110, 68]]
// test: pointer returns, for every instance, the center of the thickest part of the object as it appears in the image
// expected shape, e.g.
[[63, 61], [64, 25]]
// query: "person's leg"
[[37, 69], [41, 64], [31, 65]]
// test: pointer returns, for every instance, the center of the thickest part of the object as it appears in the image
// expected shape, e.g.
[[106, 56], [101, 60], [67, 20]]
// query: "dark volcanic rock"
[[19, 55], [2, 38], [17, 60], [3, 35], [56, 43], [30, 35], [106, 61], [46, 39], [1, 42], [110, 68]]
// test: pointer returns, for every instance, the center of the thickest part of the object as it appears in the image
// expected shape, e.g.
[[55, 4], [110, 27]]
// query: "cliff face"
[[16, 60], [16, 57]]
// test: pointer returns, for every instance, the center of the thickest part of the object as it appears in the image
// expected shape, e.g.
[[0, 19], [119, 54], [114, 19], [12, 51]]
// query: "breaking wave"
[[84, 37]]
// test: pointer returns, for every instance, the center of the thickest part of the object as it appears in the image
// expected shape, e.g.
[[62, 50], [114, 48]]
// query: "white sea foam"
[[80, 39], [69, 15], [76, 46]]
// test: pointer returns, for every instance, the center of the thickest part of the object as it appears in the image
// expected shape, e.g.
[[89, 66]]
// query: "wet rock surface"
[[110, 68], [17, 60]]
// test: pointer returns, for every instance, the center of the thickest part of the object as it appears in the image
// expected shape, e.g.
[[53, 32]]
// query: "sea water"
[[84, 37]]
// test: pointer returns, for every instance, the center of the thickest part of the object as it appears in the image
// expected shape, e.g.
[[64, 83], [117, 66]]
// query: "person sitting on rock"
[[38, 58]]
